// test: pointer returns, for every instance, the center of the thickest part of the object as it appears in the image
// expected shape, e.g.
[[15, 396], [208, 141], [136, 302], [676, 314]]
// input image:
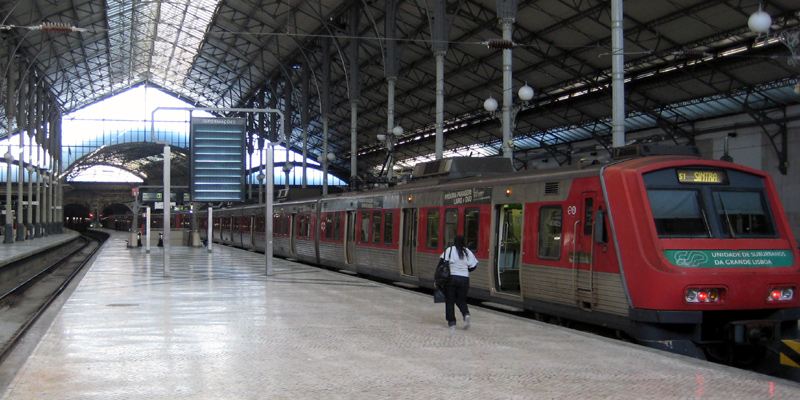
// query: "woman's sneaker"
[[466, 322]]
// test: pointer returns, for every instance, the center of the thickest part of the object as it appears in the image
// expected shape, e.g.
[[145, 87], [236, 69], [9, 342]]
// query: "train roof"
[[635, 161]]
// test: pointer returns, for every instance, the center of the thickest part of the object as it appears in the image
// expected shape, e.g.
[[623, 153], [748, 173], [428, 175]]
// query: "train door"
[[507, 259], [350, 238], [292, 233], [409, 240], [252, 242], [582, 257]]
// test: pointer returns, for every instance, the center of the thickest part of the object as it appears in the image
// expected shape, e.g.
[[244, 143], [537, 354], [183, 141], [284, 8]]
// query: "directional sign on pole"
[[218, 155]]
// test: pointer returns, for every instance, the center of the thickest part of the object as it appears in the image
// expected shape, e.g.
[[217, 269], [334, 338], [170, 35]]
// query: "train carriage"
[[690, 255]]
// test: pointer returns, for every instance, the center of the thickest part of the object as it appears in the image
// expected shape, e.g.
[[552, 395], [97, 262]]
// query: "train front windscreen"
[[709, 203]]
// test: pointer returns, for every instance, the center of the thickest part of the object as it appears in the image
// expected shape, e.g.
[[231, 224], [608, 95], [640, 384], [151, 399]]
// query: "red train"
[[689, 255]]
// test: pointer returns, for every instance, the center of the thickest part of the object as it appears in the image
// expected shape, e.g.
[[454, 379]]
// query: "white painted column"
[[167, 222], [210, 233], [147, 230]]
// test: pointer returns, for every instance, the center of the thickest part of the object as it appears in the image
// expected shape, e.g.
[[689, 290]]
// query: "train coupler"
[[754, 331]]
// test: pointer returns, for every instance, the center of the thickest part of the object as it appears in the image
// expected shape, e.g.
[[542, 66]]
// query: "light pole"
[[391, 139], [43, 203], [525, 94], [30, 231], [260, 178], [323, 161], [287, 168], [9, 231]]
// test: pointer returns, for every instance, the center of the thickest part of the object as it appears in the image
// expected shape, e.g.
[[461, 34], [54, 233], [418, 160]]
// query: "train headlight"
[[703, 295], [780, 294]]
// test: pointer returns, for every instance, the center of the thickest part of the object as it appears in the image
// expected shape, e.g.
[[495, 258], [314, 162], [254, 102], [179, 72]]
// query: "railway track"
[[28, 286]]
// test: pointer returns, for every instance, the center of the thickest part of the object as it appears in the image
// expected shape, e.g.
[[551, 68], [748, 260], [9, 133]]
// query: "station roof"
[[685, 60]]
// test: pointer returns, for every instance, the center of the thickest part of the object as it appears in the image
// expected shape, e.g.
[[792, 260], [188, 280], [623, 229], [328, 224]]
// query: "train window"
[[376, 227], [276, 224], [432, 229], [365, 227], [327, 223], [450, 225], [337, 221], [677, 213], [387, 228], [471, 228], [588, 203], [299, 226], [550, 232], [743, 214], [302, 226]]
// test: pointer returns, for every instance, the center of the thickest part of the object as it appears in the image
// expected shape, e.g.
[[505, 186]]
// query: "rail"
[[89, 238]]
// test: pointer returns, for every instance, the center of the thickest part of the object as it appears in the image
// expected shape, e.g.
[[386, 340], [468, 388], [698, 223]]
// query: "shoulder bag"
[[442, 274]]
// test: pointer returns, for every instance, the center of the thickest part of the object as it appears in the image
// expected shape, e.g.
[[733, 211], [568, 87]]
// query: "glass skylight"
[[157, 41]]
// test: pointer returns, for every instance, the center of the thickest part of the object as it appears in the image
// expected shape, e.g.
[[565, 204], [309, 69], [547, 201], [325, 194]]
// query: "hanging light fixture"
[[759, 21], [525, 93]]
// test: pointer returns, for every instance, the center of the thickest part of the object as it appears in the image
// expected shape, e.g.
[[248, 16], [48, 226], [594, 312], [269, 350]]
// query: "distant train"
[[684, 254]]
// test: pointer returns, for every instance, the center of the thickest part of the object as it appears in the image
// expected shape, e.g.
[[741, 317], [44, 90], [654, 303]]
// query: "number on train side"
[[572, 210]]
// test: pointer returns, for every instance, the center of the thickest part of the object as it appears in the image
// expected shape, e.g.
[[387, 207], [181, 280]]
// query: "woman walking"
[[462, 262]]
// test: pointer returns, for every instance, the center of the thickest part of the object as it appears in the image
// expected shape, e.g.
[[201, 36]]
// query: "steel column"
[[618, 75], [287, 129], [439, 104], [304, 85], [22, 98], [325, 105]]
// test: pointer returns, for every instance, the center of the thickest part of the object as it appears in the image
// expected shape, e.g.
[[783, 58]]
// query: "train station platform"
[[217, 327], [10, 252]]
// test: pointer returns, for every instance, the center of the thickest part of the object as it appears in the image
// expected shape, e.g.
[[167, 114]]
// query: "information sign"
[[730, 258], [467, 196], [218, 158], [702, 176]]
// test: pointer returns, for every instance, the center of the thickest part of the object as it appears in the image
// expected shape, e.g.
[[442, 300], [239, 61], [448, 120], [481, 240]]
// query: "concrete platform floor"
[[217, 328], [10, 252]]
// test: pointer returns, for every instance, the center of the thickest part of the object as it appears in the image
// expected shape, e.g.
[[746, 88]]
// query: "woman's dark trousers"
[[456, 293]]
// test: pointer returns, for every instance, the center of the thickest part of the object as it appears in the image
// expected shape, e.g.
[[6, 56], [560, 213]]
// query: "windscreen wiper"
[[727, 218]]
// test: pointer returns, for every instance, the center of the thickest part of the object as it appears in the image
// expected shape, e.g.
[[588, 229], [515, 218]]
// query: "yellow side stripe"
[[792, 344], [788, 361]]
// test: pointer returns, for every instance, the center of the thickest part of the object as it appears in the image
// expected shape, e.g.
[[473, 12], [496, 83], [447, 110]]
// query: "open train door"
[[409, 240], [508, 232], [582, 257], [350, 238]]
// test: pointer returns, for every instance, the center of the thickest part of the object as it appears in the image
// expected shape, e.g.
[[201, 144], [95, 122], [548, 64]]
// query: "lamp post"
[[9, 230], [323, 161], [30, 231], [391, 138], [43, 204], [287, 168], [260, 178], [525, 94]]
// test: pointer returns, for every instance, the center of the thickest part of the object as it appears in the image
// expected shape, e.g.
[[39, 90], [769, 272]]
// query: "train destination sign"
[[730, 258], [467, 196], [375, 202], [702, 176]]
